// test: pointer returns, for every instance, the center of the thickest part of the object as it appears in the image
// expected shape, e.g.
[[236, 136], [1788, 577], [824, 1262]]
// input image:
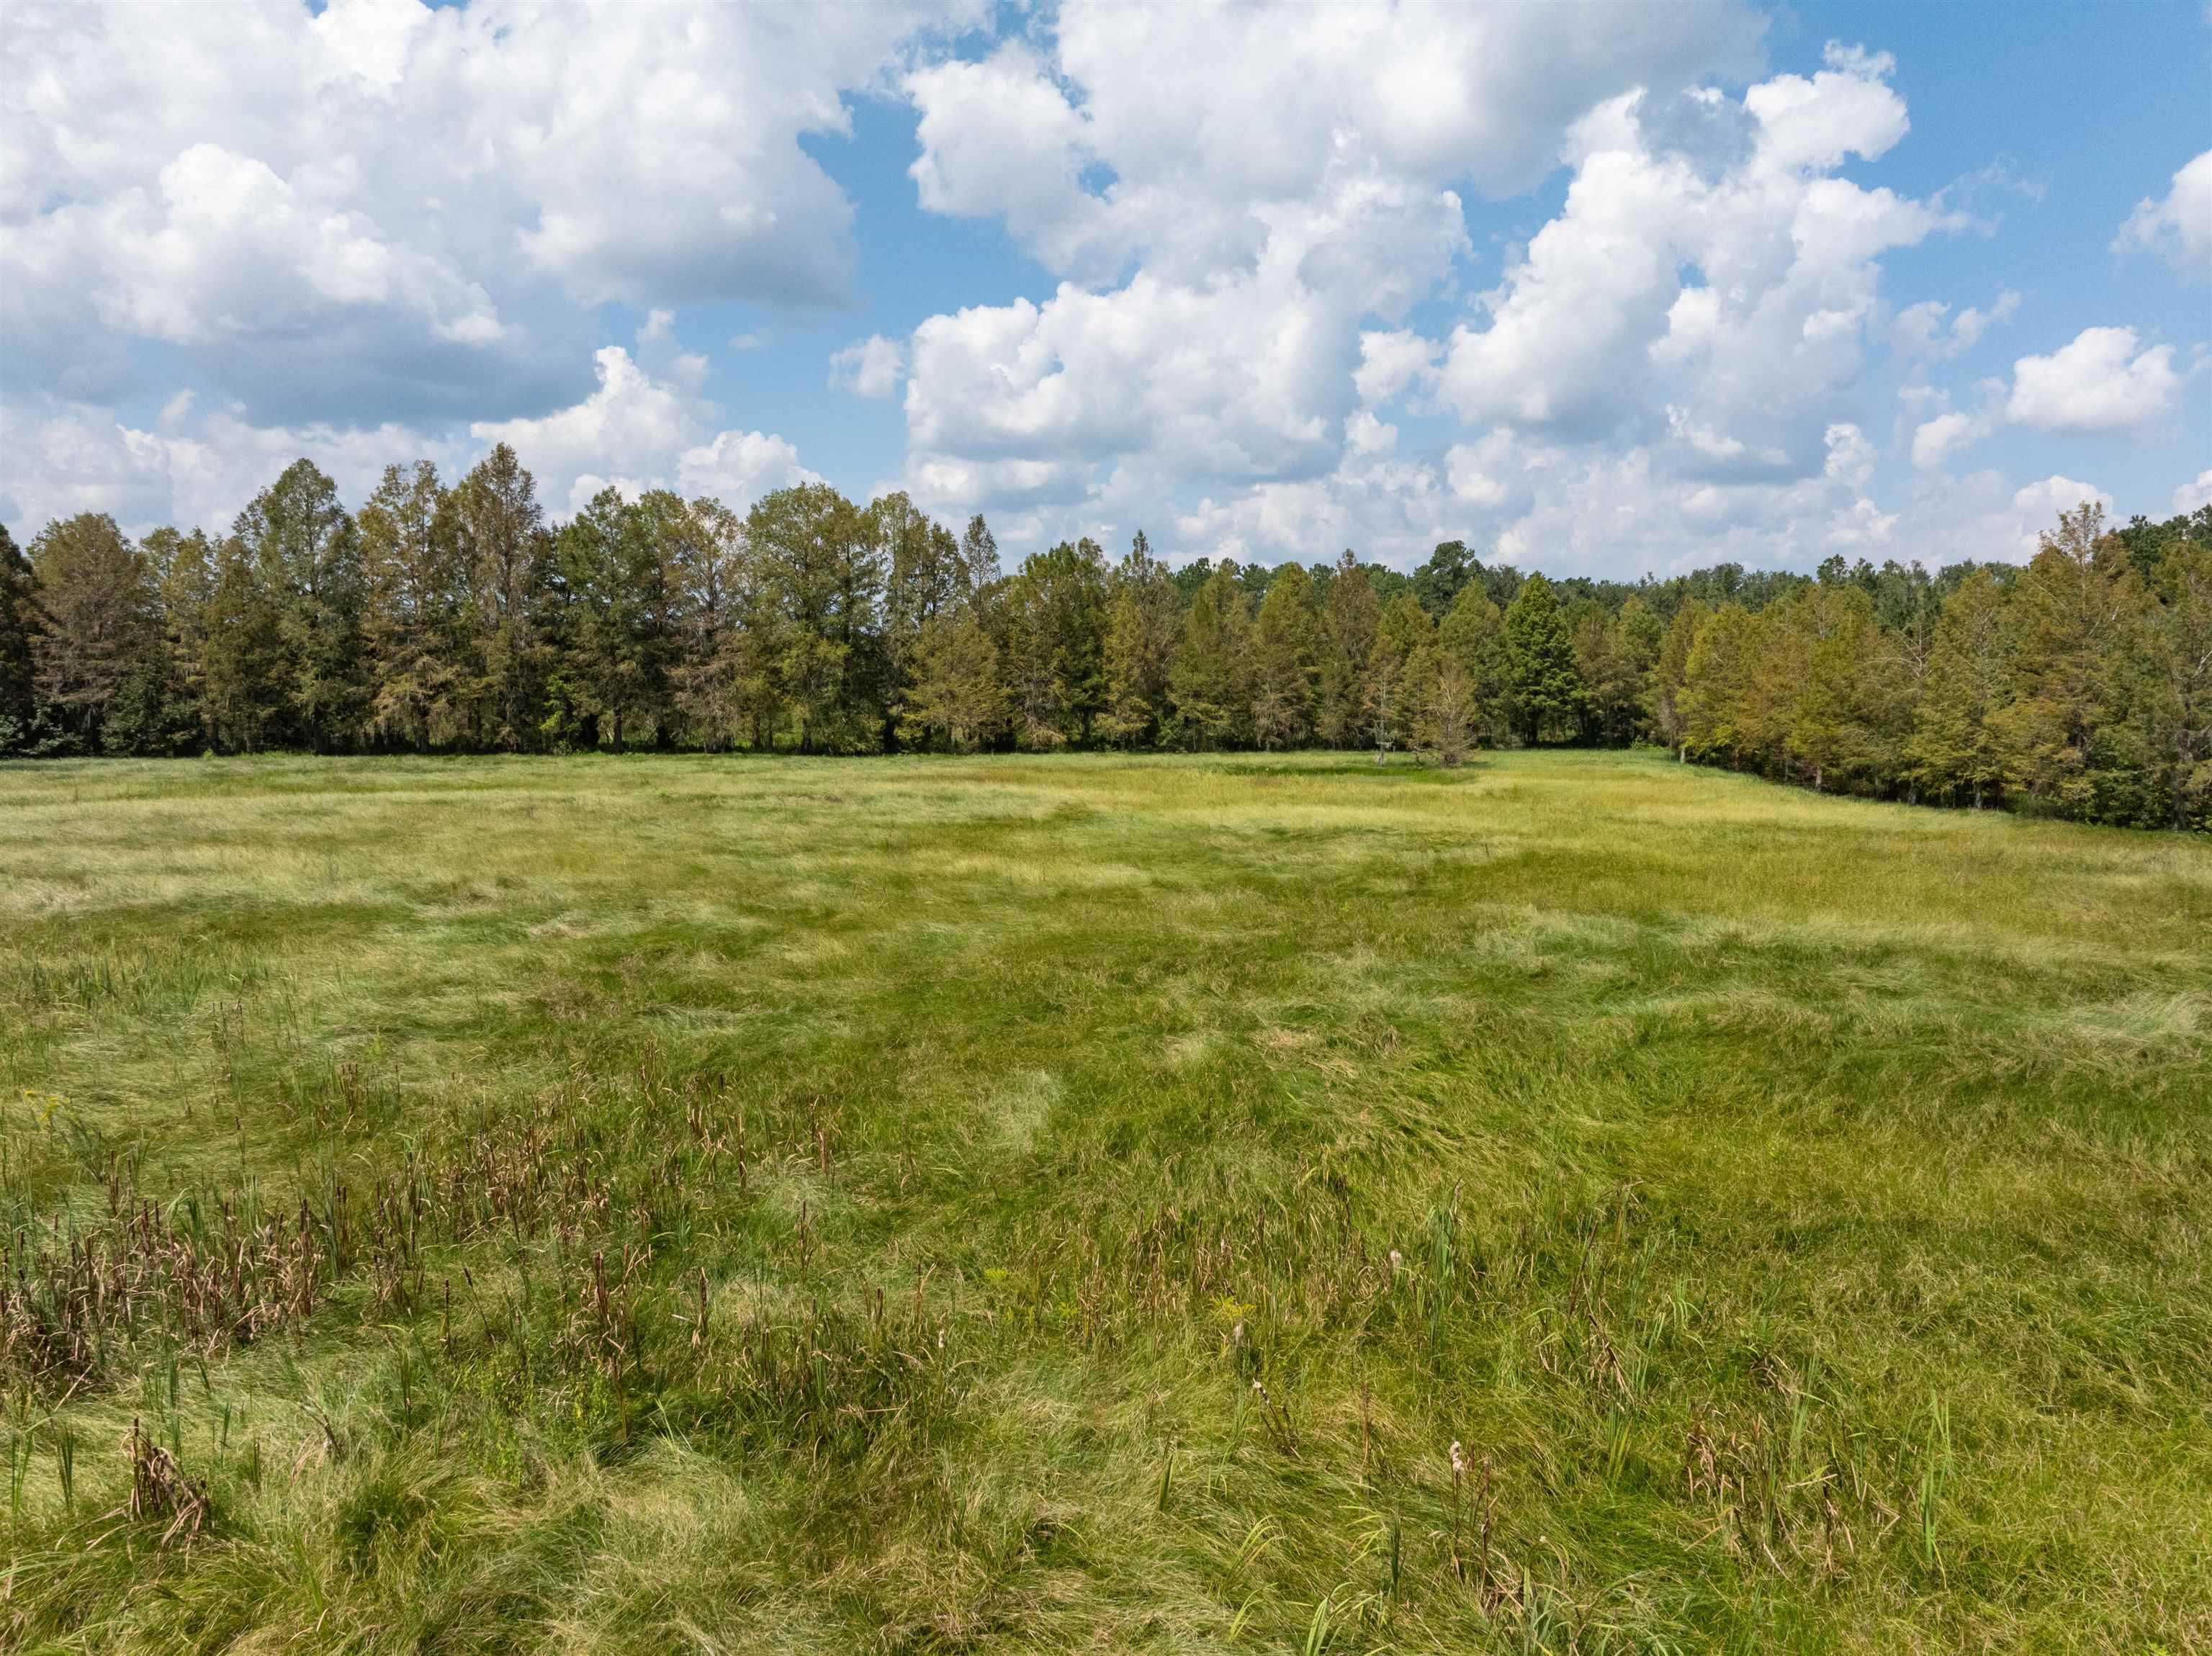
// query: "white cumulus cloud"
[[869, 367], [2178, 226], [2105, 379]]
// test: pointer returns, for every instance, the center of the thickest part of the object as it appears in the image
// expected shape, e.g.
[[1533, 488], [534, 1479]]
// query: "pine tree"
[[1955, 744], [1663, 695], [927, 578], [1054, 614], [242, 662], [823, 569], [1287, 650], [1614, 655], [1473, 633], [958, 693], [184, 570], [1141, 624], [617, 563], [1713, 676], [100, 626], [2172, 667], [19, 625], [1210, 682], [2067, 616], [413, 610], [1547, 691], [505, 558], [1850, 716], [1351, 613], [713, 579], [1617, 670], [1405, 639], [307, 557]]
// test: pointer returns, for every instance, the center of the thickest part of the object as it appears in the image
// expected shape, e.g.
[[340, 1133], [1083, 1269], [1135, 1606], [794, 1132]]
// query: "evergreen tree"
[[1438, 583], [415, 606], [19, 625], [184, 572], [1210, 682], [505, 558], [1956, 745], [716, 586], [1850, 720], [615, 560], [824, 570], [2171, 666], [1403, 656], [242, 663], [1350, 614], [1546, 691], [1713, 680], [927, 579], [958, 693], [979, 560], [1615, 654], [1473, 633], [1054, 614], [1287, 651], [1141, 624], [308, 558], [100, 626], [1663, 695], [2067, 616]]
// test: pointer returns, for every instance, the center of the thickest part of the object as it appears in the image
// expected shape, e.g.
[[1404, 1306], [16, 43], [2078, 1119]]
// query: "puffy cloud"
[[869, 367], [1245, 378], [185, 470], [1263, 187], [389, 207], [739, 467], [638, 430], [2104, 380], [1153, 131], [1919, 331], [1391, 361], [2179, 226], [1598, 330], [2193, 497], [2036, 507], [641, 431], [1936, 440], [1698, 310]]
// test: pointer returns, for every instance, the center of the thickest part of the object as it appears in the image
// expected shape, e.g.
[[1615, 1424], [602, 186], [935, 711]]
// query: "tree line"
[[456, 617]]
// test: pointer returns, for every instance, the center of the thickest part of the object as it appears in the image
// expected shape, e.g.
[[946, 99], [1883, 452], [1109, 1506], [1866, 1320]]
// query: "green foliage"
[[1288, 648], [1053, 615], [19, 624], [1210, 684], [1350, 617], [1544, 689], [97, 627], [454, 619], [1142, 623]]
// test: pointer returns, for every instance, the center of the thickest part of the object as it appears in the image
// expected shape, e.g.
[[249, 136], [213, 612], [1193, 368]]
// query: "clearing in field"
[[1577, 1203]]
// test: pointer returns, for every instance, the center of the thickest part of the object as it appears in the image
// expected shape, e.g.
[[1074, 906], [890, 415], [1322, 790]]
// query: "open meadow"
[[1573, 1202]]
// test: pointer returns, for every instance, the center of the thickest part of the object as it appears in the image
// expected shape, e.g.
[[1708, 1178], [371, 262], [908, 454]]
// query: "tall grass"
[[1575, 1203]]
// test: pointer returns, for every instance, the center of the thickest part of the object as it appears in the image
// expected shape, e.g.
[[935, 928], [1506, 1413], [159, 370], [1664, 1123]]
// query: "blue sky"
[[1602, 290]]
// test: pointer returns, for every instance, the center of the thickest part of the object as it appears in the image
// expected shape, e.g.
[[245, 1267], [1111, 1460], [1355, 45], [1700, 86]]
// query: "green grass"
[[1114, 1186]]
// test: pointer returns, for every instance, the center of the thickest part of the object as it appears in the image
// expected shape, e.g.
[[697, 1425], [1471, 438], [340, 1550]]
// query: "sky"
[[1597, 290]]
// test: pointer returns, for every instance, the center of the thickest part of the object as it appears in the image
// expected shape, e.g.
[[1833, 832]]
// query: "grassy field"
[[1576, 1203]]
